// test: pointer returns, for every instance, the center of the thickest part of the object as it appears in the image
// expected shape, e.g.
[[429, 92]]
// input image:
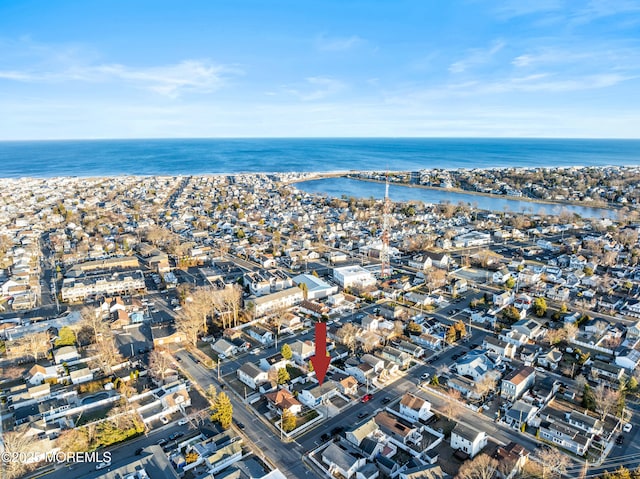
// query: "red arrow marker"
[[321, 359]]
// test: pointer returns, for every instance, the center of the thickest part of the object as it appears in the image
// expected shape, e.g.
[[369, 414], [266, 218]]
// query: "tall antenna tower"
[[385, 266]]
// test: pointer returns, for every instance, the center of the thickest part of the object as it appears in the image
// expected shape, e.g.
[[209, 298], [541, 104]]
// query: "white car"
[[102, 465], [164, 420], [627, 427], [183, 421], [425, 376], [222, 356]]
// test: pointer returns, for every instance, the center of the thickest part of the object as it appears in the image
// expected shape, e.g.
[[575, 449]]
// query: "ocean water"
[[202, 156]]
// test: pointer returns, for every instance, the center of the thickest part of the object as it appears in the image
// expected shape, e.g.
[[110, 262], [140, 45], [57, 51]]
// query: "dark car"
[[162, 442], [386, 400], [176, 435], [240, 425], [325, 437], [362, 415], [139, 451], [620, 439], [337, 430]]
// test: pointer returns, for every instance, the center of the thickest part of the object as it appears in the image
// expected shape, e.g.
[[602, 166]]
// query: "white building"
[[467, 439], [353, 276], [276, 301]]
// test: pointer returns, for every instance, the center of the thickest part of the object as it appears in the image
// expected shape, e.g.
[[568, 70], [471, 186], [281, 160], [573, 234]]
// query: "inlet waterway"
[[339, 186]]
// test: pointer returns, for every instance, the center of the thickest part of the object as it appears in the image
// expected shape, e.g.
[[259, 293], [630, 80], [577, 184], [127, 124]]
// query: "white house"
[[353, 276], [81, 375], [222, 346], [467, 439], [503, 299], [414, 408], [517, 382], [66, 354], [251, 375], [37, 374]]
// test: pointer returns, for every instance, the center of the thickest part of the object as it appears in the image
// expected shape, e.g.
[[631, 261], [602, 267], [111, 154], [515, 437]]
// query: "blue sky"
[[239, 68]]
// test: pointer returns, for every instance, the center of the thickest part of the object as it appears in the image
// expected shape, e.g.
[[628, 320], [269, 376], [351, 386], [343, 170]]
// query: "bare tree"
[[31, 345], [606, 400], [435, 278], [106, 352], [553, 462], [16, 442], [481, 467], [453, 406], [189, 321], [228, 301], [347, 336], [90, 327], [160, 363], [487, 384], [570, 331]]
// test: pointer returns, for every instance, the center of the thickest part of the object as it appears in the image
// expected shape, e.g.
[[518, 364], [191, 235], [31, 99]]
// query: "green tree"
[[413, 328], [540, 307], [512, 313], [510, 283], [222, 410], [461, 330], [451, 335], [632, 385], [288, 421], [66, 337], [240, 233], [310, 367], [283, 376], [588, 399], [305, 289], [286, 351]]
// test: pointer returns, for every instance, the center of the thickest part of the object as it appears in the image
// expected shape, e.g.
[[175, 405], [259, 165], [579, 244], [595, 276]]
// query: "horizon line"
[[25, 140]]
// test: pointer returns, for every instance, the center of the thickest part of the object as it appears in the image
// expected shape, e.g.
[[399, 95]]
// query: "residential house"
[[517, 382], [348, 386], [282, 400], [222, 346], [396, 356], [501, 276], [475, 364], [589, 424], [66, 354], [399, 431], [415, 408], [302, 351], [264, 336], [610, 372], [465, 438], [551, 360], [251, 375], [318, 394], [166, 334], [38, 374], [628, 359], [512, 459], [274, 362], [566, 436], [413, 349], [500, 300], [428, 471], [343, 460], [279, 300], [358, 433], [81, 375], [520, 413], [531, 328], [498, 347]]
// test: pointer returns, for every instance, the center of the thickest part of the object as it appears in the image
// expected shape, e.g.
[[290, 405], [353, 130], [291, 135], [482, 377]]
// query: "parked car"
[[164, 420], [362, 415], [325, 437], [176, 435], [337, 430], [620, 439], [367, 397], [139, 451], [102, 465], [627, 427], [386, 400], [162, 442], [425, 376], [240, 425], [183, 421]]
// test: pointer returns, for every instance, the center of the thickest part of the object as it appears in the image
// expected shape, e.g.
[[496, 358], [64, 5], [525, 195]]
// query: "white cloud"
[[476, 57], [320, 88], [201, 76], [325, 43]]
